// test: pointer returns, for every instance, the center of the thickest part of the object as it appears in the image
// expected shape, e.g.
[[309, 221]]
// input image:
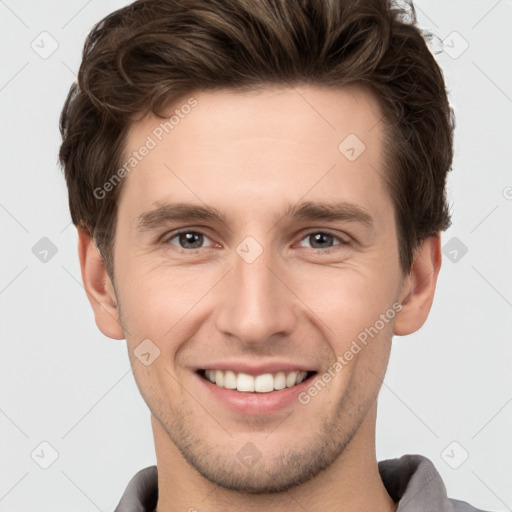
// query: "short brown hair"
[[146, 56]]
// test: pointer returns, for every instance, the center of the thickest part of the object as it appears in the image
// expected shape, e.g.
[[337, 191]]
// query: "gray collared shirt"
[[411, 480]]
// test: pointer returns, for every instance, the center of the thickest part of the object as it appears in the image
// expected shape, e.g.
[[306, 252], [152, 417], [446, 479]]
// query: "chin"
[[261, 466], [263, 475]]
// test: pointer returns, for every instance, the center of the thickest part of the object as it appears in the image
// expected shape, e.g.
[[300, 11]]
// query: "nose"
[[257, 307]]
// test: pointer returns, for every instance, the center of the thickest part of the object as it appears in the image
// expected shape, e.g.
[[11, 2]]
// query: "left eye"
[[321, 240], [189, 239]]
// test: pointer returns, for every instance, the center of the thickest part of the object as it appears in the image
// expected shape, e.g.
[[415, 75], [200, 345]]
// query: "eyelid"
[[337, 236], [167, 237]]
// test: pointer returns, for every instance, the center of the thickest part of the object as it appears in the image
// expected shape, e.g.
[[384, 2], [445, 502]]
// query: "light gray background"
[[62, 382]]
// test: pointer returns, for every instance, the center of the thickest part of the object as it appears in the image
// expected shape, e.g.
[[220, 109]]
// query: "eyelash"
[[342, 243]]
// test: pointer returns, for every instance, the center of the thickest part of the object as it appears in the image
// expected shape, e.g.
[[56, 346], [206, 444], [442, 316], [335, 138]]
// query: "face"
[[255, 245]]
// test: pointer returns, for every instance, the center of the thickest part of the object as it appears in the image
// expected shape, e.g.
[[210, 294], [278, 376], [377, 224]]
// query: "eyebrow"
[[306, 211], [329, 212], [168, 212]]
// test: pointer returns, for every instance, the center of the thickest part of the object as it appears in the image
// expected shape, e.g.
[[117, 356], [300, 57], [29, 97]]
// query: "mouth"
[[262, 383]]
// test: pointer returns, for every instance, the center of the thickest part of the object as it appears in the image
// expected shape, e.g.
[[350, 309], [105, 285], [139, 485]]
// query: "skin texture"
[[251, 156]]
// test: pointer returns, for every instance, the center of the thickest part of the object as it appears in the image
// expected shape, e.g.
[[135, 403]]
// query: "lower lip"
[[255, 403]]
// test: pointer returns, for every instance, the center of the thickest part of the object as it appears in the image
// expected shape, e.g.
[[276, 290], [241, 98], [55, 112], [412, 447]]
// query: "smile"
[[263, 383]]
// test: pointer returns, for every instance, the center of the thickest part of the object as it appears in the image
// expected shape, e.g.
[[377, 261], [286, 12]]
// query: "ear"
[[99, 287], [418, 289]]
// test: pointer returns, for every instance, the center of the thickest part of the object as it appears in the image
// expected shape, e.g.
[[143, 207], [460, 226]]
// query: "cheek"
[[159, 387], [345, 301], [156, 296]]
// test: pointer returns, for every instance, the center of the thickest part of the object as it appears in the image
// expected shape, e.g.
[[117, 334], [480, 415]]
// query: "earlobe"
[[417, 294], [99, 287]]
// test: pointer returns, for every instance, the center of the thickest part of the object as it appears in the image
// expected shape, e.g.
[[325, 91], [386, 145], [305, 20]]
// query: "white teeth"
[[301, 376], [264, 383], [280, 380], [229, 380], [245, 382], [291, 379]]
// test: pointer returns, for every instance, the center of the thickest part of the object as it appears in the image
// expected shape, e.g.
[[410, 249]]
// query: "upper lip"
[[259, 368]]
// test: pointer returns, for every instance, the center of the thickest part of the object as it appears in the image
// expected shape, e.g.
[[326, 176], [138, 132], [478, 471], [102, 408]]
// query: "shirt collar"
[[413, 481]]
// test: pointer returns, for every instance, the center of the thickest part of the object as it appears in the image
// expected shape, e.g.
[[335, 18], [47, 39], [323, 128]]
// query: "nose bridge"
[[256, 303]]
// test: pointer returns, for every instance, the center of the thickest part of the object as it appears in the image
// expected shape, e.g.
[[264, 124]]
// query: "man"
[[259, 192]]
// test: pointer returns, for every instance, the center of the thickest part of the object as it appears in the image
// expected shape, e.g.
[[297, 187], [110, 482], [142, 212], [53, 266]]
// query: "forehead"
[[282, 112], [273, 144]]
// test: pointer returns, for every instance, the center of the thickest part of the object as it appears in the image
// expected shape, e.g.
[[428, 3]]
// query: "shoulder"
[[414, 482], [462, 506], [141, 494]]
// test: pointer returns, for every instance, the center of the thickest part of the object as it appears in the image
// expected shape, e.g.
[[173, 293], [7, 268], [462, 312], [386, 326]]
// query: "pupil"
[[188, 238], [320, 238]]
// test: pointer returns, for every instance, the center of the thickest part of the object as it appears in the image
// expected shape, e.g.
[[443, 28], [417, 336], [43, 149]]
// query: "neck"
[[352, 482]]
